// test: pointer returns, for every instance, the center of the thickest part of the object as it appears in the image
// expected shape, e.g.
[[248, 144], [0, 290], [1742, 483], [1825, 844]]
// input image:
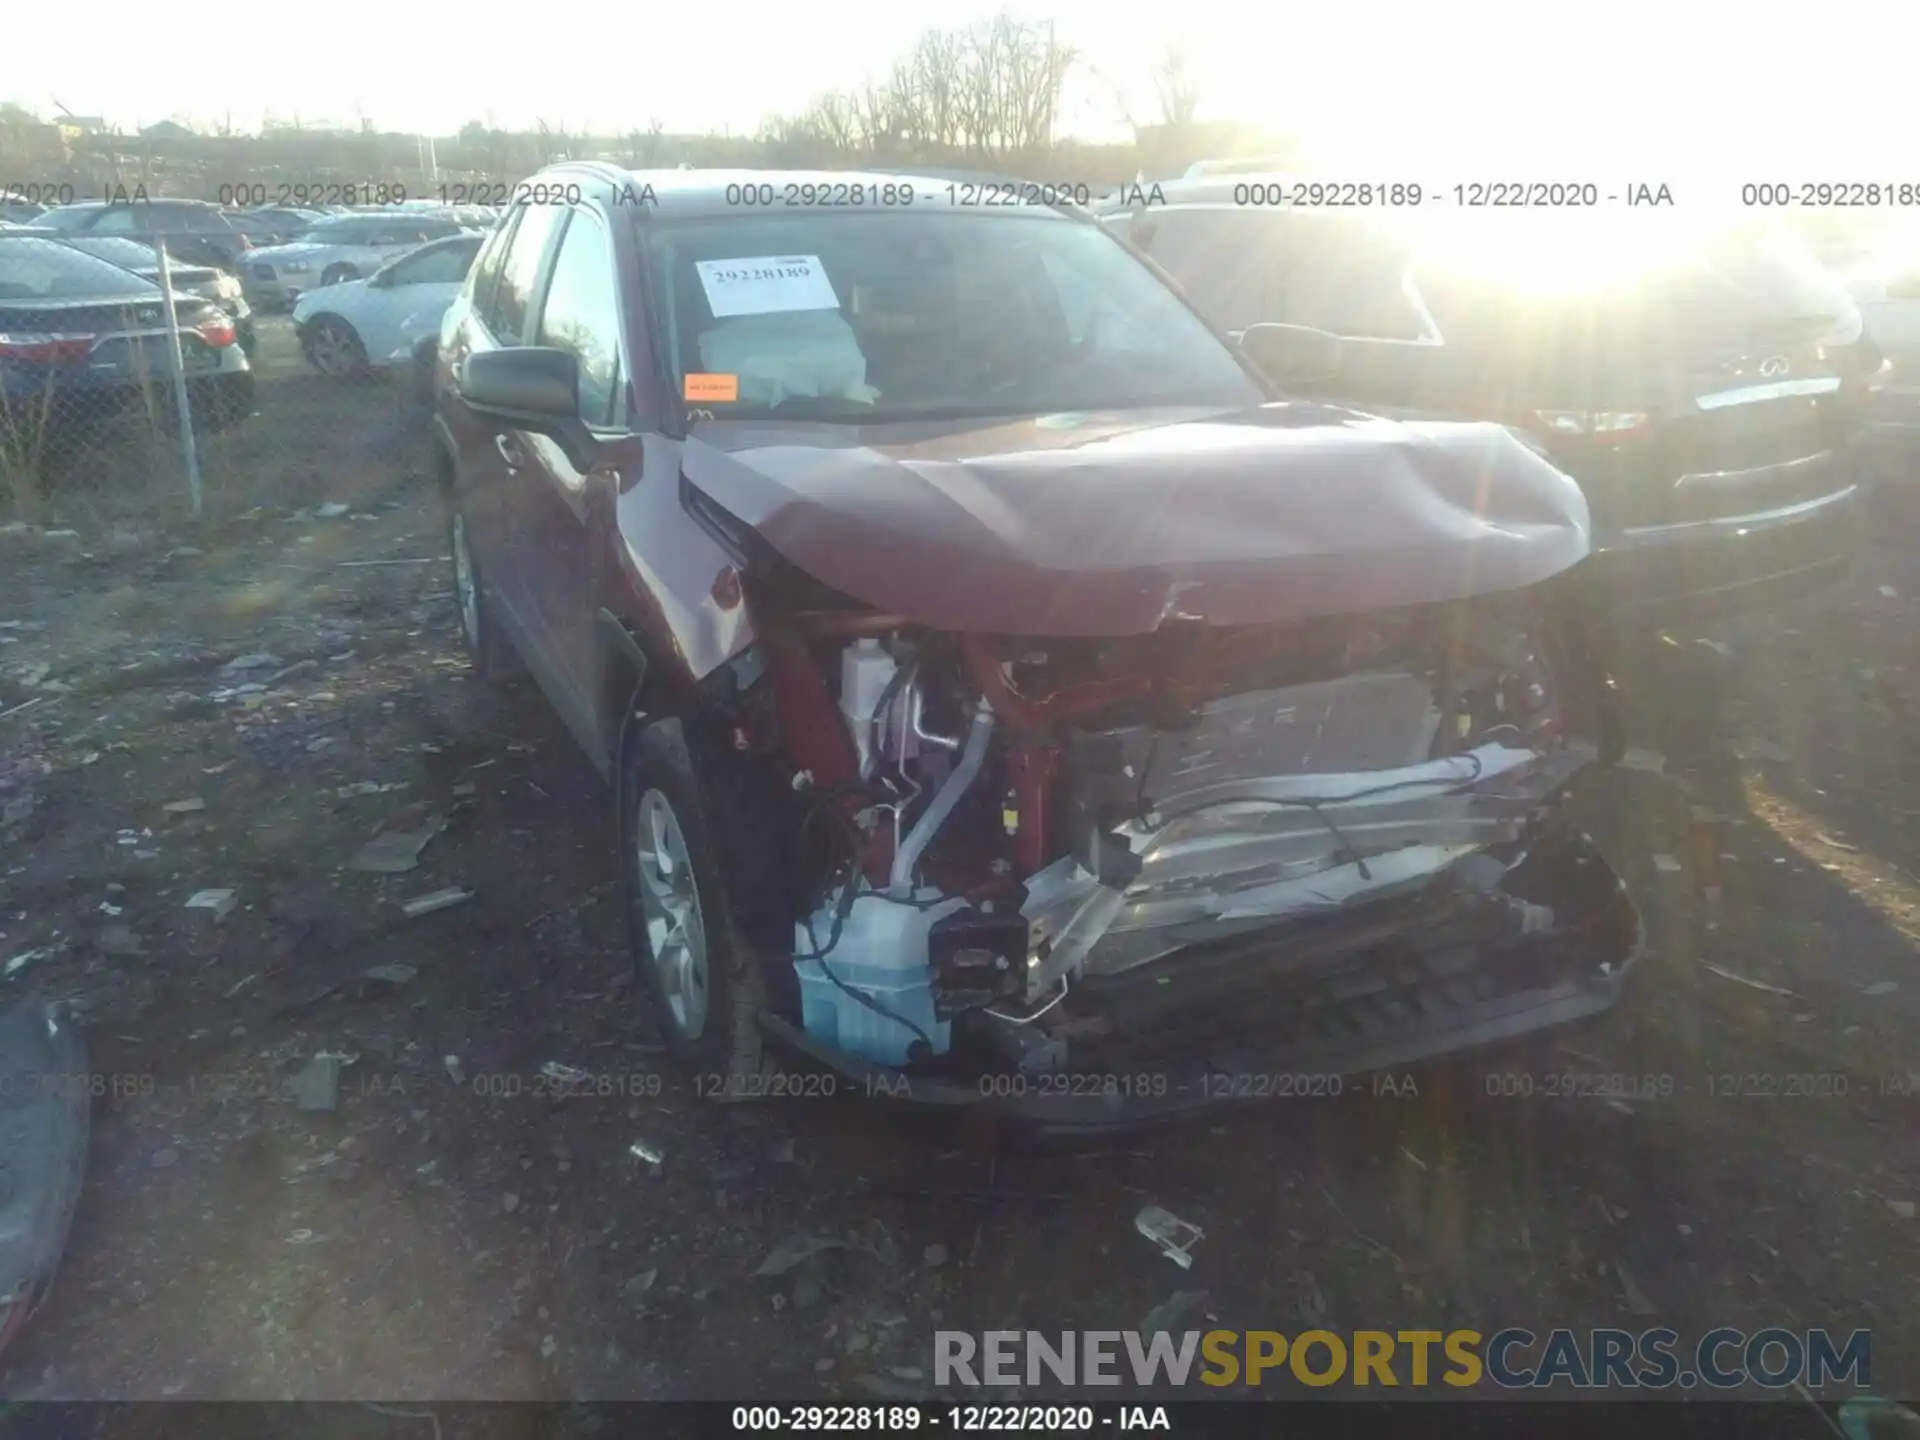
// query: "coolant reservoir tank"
[[866, 669]]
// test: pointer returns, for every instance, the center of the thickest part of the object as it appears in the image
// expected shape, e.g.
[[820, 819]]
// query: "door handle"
[[510, 451]]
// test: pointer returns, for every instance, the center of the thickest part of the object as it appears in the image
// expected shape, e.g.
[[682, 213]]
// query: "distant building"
[[167, 130]]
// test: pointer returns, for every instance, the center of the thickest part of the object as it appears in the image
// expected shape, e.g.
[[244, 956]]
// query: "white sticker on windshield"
[[765, 285]]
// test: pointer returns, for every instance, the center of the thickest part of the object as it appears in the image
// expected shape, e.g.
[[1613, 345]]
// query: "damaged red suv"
[[1007, 699]]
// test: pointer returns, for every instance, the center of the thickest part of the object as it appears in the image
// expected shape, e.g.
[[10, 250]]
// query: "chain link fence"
[[263, 407]]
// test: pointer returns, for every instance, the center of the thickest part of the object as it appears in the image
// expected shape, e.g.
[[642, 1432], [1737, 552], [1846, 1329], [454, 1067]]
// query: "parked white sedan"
[[390, 317]]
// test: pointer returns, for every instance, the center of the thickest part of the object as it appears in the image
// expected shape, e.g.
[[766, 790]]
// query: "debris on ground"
[[397, 851], [26, 958], [934, 1256], [316, 1085], [1174, 1237], [395, 975], [184, 807], [1901, 1208], [1748, 981], [435, 900], [454, 1072], [793, 1250], [1881, 987], [649, 1155], [258, 660], [367, 787], [1636, 1298], [1667, 864], [221, 902]]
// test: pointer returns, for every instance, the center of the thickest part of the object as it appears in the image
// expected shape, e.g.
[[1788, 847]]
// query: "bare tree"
[[1176, 81]]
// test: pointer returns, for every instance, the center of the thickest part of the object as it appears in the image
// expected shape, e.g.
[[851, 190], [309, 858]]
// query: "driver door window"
[[506, 314], [581, 315]]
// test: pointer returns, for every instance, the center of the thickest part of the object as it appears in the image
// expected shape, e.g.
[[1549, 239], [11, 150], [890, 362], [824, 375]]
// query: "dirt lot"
[[449, 1230]]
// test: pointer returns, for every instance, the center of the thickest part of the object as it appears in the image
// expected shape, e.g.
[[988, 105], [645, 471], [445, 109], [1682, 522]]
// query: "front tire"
[[692, 962], [493, 658], [334, 349]]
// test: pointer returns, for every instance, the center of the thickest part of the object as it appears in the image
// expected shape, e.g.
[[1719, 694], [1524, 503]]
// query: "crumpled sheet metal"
[[1108, 526]]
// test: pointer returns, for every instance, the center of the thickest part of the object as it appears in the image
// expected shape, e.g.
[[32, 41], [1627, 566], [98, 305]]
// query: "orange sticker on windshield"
[[705, 388]]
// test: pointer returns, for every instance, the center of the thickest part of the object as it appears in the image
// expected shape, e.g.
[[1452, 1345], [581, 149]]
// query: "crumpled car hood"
[[1114, 525]]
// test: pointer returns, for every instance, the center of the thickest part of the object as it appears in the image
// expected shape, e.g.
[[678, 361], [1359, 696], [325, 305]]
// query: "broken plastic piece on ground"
[[1174, 1236], [184, 807], [1667, 864], [26, 958], [316, 1085], [46, 1157], [1640, 758], [1881, 987], [454, 1072], [397, 851], [1869, 1417], [795, 1248], [332, 510], [435, 900], [391, 974], [648, 1154], [1748, 982], [221, 902]]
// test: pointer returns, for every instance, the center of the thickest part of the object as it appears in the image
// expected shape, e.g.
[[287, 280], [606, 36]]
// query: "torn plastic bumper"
[[44, 1119], [1310, 1008]]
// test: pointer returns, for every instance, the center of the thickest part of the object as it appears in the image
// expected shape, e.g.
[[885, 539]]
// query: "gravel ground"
[[455, 1229]]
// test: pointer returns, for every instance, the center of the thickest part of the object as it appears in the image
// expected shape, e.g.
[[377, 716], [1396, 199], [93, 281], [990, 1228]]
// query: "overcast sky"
[[1642, 89]]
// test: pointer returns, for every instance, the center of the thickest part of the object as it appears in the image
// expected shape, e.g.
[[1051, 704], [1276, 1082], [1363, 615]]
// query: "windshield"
[[896, 316], [68, 217], [35, 269], [130, 254]]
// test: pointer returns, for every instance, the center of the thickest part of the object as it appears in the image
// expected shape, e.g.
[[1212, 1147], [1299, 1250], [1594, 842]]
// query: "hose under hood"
[[907, 858]]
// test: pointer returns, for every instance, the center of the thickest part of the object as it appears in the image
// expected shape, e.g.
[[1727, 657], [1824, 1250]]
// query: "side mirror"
[[1293, 356], [534, 387]]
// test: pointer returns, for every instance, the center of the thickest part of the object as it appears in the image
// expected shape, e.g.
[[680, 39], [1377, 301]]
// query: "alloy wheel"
[[670, 906]]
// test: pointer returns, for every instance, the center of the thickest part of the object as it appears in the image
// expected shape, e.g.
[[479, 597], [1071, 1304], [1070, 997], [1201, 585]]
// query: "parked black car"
[[195, 231], [83, 343], [143, 259], [1706, 405]]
